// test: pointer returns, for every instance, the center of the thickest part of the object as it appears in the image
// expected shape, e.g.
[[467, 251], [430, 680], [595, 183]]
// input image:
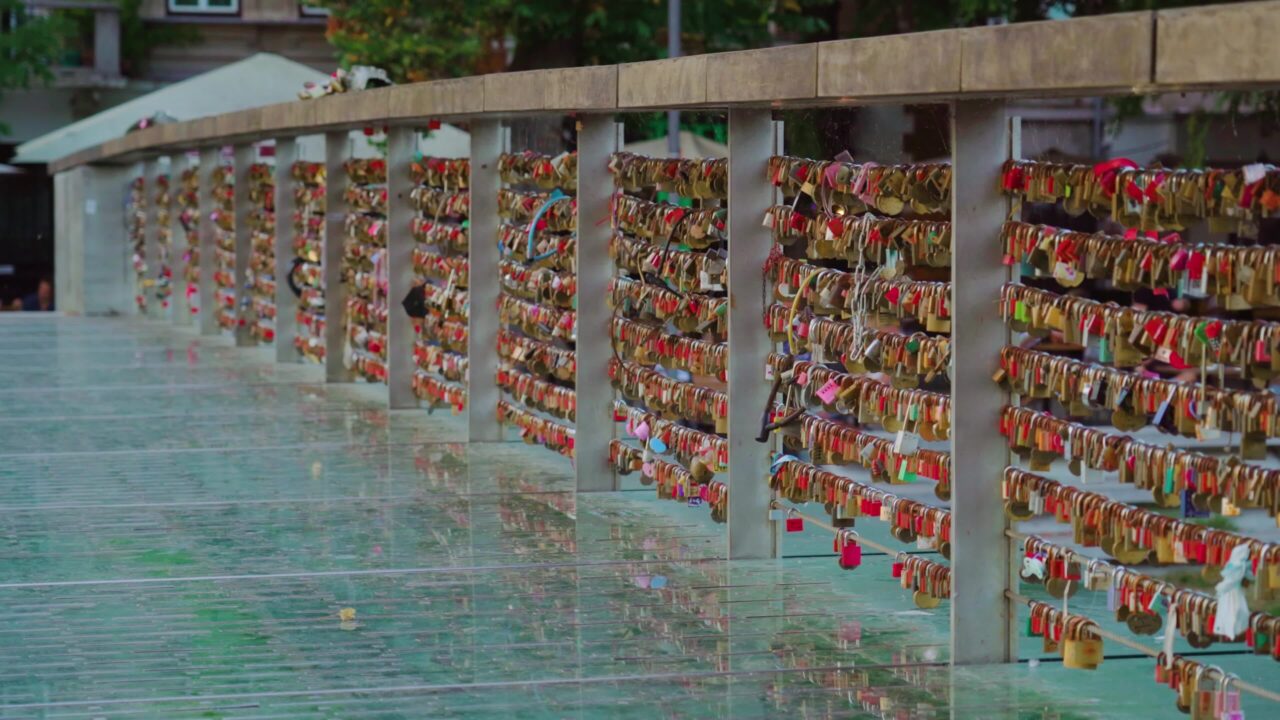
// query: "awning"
[[261, 79]]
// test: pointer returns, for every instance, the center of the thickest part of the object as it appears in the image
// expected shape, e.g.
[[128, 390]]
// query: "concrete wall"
[[92, 270], [226, 43], [32, 113]]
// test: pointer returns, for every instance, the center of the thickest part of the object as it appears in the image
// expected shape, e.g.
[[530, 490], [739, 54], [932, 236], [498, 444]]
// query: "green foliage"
[[38, 44], [411, 39], [137, 38], [424, 39], [29, 48]]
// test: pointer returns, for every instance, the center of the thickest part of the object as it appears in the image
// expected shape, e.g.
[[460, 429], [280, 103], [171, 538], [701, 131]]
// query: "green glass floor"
[[192, 530]]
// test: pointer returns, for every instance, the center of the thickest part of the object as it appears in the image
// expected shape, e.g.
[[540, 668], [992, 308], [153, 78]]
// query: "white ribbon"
[[1233, 608]]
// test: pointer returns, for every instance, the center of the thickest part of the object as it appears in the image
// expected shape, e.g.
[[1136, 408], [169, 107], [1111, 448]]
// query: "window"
[[205, 7], [309, 10]]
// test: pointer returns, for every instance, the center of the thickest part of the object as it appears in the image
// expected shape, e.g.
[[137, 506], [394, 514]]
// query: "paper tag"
[[1253, 173], [1064, 272], [828, 392], [906, 443]]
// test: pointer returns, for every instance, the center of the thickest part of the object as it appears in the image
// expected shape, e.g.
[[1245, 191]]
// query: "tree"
[[425, 39], [29, 46]]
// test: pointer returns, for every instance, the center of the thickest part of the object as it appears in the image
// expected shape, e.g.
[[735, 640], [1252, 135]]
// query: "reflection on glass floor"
[[190, 530]]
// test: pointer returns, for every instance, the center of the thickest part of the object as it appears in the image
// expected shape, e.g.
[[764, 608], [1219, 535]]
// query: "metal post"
[[286, 301], [487, 143], [244, 156], [337, 148], [106, 42], [980, 612], [597, 140], [208, 318], [674, 50], [151, 236], [178, 260], [751, 142], [401, 144]]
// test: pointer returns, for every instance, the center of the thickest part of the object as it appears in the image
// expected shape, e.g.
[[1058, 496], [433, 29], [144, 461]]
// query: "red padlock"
[[850, 554]]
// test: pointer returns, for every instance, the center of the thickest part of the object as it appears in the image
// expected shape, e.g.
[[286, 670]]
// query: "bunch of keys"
[[689, 312], [928, 581], [449, 238], [699, 451], [308, 201], [366, 198], [682, 271], [363, 338], [264, 309], [1167, 472], [1125, 532], [923, 413], [705, 179], [672, 481], [439, 203], [373, 369], [534, 393], [262, 183], [366, 171], [1149, 198], [264, 288], [448, 334], [537, 321], [430, 264], [1135, 401], [441, 172], [554, 250], [1242, 277], [437, 360], [536, 430], [310, 174], [1130, 337], [649, 345], [540, 285], [538, 357], [439, 392], [925, 188], [1204, 692], [1075, 637], [658, 222], [367, 313], [670, 398], [834, 443], [452, 304], [539, 170], [845, 498], [558, 215], [891, 243], [162, 191], [308, 227], [829, 292], [908, 359], [223, 176]]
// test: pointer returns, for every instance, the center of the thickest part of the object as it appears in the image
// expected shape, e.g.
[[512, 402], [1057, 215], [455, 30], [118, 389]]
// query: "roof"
[[257, 80]]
